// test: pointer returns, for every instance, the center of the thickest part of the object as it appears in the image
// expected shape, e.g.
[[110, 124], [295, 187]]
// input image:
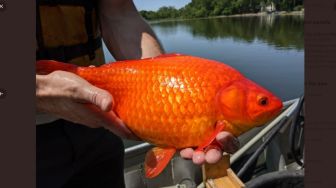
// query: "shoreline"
[[280, 13]]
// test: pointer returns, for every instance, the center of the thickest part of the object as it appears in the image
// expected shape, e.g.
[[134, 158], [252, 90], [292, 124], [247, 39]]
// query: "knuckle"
[[94, 97]]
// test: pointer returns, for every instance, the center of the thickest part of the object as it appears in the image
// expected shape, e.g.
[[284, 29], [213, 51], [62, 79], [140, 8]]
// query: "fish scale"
[[182, 91]]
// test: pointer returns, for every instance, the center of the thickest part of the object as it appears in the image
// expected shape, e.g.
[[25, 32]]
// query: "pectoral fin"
[[211, 140], [157, 159]]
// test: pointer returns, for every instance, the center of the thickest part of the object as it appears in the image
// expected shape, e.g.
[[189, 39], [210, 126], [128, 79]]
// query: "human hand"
[[228, 143], [72, 98]]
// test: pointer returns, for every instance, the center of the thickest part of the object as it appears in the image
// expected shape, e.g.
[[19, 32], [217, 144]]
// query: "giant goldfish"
[[177, 101]]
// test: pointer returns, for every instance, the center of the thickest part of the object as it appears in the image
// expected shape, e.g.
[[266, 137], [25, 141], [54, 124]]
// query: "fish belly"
[[165, 122], [167, 103]]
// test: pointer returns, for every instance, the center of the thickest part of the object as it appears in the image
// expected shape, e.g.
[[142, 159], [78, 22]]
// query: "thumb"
[[99, 97]]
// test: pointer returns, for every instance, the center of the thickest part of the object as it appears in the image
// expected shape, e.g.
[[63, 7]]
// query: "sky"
[[156, 4]]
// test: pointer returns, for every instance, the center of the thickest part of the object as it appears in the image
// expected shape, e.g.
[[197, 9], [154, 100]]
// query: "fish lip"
[[278, 107]]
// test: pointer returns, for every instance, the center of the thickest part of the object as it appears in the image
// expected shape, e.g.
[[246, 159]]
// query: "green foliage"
[[163, 13], [298, 8], [205, 8]]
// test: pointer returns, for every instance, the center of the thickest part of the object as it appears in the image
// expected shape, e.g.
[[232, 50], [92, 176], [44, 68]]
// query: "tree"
[[205, 8]]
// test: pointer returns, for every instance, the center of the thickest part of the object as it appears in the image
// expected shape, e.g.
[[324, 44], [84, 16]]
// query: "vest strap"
[[89, 31], [66, 53], [39, 36]]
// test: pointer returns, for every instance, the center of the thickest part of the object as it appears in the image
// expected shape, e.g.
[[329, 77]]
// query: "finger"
[[213, 156], [187, 153], [77, 113], [99, 97], [229, 143], [198, 157], [122, 133], [113, 123], [118, 127]]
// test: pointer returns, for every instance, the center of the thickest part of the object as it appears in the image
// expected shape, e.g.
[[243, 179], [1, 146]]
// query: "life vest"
[[68, 31]]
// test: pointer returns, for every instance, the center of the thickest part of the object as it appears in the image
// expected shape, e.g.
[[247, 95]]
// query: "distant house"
[[267, 8]]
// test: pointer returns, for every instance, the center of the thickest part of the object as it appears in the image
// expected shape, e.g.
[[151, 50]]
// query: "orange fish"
[[177, 101]]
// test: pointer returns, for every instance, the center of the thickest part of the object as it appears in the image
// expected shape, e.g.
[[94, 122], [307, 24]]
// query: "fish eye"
[[263, 101]]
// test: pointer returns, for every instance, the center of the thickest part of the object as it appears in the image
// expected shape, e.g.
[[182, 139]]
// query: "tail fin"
[[48, 66]]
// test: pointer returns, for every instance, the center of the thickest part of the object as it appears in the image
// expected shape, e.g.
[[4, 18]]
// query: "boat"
[[270, 156]]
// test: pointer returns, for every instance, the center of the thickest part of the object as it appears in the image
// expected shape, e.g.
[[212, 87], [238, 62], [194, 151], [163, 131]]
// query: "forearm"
[[126, 34]]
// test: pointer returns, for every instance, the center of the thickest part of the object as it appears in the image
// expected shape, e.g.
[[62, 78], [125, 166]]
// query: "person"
[[76, 147]]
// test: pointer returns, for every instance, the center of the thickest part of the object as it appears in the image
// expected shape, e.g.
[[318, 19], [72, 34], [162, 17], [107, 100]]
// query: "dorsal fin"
[[169, 55], [165, 55]]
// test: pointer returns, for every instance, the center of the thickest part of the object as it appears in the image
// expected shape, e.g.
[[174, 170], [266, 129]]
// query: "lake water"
[[266, 49]]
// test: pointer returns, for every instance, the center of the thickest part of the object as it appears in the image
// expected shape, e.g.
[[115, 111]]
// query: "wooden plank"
[[234, 179], [220, 175], [213, 171], [223, 182]]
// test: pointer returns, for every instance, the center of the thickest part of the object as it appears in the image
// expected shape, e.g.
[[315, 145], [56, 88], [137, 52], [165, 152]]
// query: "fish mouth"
[[264, 117], [278, 105]]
